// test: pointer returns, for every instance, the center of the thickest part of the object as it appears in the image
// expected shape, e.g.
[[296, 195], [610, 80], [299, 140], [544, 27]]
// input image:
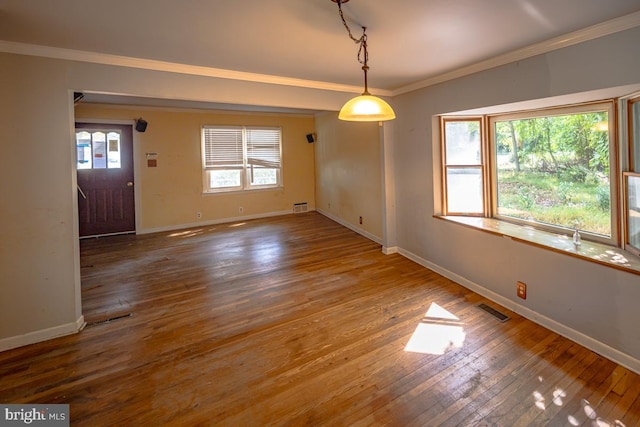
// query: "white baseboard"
[[350, 226], [42, 335], [212, 222], [592, 344], [388, 250]]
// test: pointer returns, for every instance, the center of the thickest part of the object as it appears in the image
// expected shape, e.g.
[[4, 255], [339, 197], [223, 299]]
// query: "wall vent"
[[300, 207], [109, 320]]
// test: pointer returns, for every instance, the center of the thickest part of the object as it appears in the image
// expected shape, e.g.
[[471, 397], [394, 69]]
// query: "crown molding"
[[595, 31], [599, 30], [172, 67]]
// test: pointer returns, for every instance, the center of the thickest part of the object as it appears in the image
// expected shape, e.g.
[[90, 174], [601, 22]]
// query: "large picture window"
[[553, 169], [241, 158]]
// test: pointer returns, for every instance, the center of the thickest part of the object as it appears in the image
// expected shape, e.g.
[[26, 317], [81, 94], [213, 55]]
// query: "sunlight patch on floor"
[[186, 233], [577, 419], [437, 332]]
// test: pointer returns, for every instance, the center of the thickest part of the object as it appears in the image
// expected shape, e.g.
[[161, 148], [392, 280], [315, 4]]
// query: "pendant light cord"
[[363, 54]]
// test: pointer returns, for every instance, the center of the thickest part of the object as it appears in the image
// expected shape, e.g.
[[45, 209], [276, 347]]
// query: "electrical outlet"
[[360, 220], [240, 209], [521, 290], [198, 215]]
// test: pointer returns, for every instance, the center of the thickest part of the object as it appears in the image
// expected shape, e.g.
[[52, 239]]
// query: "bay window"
[[553, 169]]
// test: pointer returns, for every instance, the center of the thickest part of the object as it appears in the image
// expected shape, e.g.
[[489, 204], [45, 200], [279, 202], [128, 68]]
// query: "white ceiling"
[[409, 40]]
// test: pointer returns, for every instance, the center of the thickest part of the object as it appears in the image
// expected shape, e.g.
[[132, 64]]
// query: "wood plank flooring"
[[298, 321]]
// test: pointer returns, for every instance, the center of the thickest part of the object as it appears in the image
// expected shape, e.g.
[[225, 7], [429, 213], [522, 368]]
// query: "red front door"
[[106, 203]]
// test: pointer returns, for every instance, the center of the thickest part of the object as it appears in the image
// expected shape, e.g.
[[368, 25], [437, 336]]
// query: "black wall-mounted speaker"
[[311, 137], [77, 97], [141, 125]]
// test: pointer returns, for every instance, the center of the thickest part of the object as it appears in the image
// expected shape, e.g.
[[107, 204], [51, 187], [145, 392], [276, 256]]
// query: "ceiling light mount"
[[366, 107]]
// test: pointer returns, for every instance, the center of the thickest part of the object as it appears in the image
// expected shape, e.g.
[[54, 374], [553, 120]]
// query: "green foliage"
[[574, 173], [547, 198], [603, 195], [565, 192], [574, 143], [525, 198], [561, 173], [503, 138]]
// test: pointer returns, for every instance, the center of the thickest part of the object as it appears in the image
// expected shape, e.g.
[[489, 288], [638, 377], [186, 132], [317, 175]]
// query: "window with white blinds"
[[241, 158]]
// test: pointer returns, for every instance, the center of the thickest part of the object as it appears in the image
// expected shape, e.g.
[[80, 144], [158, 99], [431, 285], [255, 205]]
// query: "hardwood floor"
[[298, 321]]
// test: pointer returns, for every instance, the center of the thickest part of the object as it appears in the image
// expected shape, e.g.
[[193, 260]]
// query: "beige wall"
[[349, 173], [39, 262], [171, 193]]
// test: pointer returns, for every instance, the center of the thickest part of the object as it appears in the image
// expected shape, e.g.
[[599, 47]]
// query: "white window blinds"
[[241, 158], [223, 147], [263, 147]]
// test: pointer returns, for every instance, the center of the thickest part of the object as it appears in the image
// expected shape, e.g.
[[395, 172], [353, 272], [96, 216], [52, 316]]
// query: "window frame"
[[632, 132], [246, 167], [108, 163], [489, 151], [628, 245], [250, 165], [605, 105], [633, 167], [482, 165]]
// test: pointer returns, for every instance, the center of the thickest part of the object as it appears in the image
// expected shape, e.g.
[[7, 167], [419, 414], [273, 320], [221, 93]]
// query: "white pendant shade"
[[366, 108]]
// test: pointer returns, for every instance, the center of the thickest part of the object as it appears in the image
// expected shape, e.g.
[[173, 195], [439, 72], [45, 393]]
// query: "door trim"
[[136, 168]]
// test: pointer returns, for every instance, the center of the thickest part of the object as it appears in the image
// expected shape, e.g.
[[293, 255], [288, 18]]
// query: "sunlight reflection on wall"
[[438, 331]]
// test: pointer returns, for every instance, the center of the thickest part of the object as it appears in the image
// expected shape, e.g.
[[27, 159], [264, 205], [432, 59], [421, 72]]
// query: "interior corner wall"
[[171, 194], [38, 263], [349, 173], [594, 304]]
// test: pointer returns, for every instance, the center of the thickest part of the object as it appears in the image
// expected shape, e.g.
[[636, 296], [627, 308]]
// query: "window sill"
[[246, 190], [590, 251]]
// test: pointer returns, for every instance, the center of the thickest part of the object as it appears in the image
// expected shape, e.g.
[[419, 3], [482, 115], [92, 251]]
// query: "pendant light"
[[366, 107]]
